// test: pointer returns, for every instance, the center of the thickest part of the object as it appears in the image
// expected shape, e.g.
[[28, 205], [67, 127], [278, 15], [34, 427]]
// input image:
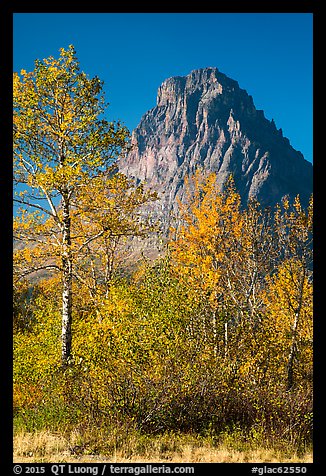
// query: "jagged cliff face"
[[206, 120]]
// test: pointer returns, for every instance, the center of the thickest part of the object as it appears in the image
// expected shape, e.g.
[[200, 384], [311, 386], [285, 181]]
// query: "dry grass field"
[[44, 447]]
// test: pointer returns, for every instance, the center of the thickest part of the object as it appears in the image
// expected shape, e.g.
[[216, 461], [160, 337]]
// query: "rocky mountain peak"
[[206, 120], [200, 82]]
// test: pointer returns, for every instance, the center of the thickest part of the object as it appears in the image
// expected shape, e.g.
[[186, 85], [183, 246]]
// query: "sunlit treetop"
[[60, 132]]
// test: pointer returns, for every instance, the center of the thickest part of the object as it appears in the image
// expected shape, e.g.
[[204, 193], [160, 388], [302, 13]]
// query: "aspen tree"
[[62, 142]]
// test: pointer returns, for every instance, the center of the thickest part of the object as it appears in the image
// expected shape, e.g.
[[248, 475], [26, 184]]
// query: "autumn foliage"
[[213, 337]]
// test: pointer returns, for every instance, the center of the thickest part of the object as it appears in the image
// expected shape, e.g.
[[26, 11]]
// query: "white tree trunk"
[[293, 348], [226, 339], [66, 337]]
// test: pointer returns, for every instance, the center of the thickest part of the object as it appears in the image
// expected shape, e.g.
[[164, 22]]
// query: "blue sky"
[[269, 54]]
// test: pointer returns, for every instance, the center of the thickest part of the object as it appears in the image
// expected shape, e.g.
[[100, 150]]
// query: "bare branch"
[[38, 268], [35, 205], [92, 238]]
